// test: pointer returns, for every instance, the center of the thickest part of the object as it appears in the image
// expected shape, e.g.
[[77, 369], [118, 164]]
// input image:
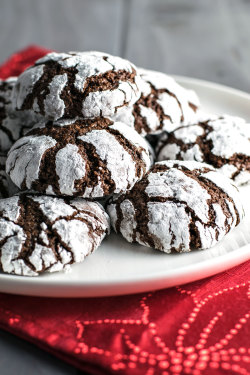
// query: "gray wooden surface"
[[208, 39]]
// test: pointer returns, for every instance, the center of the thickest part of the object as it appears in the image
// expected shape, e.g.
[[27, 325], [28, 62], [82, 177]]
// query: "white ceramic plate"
[[118, 267]]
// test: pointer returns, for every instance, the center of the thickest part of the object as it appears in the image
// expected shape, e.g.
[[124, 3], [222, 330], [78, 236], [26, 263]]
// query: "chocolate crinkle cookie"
[[43, 233], [77, 84], [13, 124], [7, 188], [163, 105], [87, 158], [222, 141], [177, 206]]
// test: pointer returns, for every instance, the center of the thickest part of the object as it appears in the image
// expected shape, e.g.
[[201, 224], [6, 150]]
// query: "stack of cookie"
[[80, 125]]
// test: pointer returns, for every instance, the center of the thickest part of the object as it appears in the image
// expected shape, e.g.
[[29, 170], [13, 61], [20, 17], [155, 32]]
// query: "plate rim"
[[153, 276], [210, 84], [73, 289]]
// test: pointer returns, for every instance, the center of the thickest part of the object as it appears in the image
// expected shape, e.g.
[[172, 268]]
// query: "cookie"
[[87, 158], [47, 234], [163, 105], [223, 142], [77, 84], [178, 206], [7, 188], [13, 124]]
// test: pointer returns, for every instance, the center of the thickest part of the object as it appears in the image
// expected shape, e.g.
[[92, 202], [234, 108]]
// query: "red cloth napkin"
[[200, 328], [21, 60]]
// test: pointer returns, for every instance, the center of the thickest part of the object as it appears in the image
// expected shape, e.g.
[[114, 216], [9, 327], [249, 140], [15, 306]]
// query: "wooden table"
[[197, 38]]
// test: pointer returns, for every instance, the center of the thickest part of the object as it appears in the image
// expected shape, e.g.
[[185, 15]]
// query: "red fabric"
[[200, 328], [21, 60]]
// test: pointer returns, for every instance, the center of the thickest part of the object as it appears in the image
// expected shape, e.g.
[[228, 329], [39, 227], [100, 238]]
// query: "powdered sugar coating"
[[223, 141], [168, 185], [63, 233], [9, 208], [25, 84], [230, 189], [150, 115], [164, 217], [229, 137], [91, 162], [69, 167], [163, 105], [56, 87], [118, 161], [177, 206], [190, 136], [128, 224], [77, 84], [24, 159], [13, 124]]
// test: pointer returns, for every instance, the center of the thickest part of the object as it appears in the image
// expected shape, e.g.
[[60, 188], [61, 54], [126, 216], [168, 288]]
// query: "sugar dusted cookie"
[[223, 142], [177, 206], [7, 188], [43, 233], [163, 105], [13, 124], [88, 158], [77, 84]]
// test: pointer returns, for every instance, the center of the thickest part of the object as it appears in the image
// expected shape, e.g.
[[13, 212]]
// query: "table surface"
[[197, 38]]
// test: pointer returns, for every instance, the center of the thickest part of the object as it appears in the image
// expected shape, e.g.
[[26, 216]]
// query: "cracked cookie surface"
[[87, 158], [222, 141], [163, 105], [47, 234], [178, 206], [13, 124], [77, 84]]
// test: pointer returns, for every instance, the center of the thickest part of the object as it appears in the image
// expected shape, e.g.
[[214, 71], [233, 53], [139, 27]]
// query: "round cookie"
[[223, 142], [43, 233], [163, 105], [87, 158], [178, 206], [7, 188], [13, 124], [77, 84]]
